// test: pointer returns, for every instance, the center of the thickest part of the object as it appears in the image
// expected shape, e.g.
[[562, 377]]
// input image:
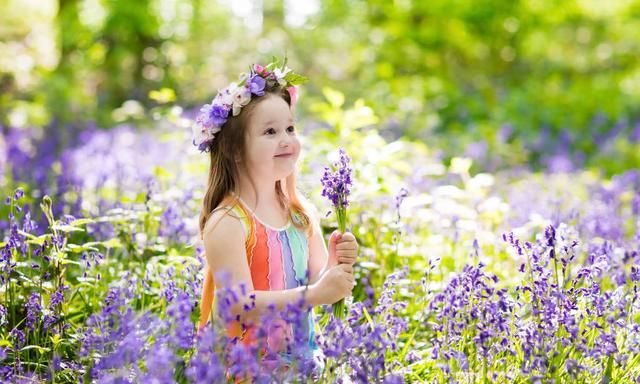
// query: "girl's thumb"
[[333, 240]]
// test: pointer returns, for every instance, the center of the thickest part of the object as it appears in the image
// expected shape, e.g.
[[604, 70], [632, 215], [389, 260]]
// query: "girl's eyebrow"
[[273, 121]]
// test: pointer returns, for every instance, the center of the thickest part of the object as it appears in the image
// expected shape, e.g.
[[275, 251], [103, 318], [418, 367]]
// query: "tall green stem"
[[339, 307]]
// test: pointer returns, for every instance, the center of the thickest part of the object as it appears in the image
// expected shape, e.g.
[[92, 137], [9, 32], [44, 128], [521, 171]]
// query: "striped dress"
[[277, 259]]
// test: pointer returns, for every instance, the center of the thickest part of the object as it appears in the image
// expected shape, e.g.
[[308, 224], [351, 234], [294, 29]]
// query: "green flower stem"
[[339, 307]]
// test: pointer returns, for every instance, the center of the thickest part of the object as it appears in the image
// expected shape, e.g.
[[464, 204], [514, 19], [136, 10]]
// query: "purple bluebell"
[[337, 183]]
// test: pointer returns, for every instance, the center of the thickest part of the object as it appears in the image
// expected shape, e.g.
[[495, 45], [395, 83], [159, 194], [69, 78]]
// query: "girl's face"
[[271, 143]]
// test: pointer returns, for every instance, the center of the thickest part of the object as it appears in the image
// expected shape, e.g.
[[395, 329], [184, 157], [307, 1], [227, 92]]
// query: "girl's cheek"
[[296, 144]]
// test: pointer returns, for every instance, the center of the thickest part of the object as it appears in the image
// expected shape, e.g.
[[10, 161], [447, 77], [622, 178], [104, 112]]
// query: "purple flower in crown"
[[214, 114], [256, 85], [208, 123]]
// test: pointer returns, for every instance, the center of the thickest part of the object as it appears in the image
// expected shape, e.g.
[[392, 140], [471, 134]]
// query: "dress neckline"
[[286, 226]]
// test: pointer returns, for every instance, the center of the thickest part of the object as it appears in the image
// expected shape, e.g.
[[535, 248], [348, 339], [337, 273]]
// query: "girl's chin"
[[283, 174]]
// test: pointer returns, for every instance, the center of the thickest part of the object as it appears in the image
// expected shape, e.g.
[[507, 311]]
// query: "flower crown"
[[229, 101]]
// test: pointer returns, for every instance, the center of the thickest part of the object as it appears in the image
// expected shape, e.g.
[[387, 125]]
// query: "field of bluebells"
[[502, 277]]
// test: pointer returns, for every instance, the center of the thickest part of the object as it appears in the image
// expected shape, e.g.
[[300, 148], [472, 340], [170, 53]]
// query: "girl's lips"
[[284, 155]]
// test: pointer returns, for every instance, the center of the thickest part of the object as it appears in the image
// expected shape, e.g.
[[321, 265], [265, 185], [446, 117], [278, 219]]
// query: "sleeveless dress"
[[278, 260]]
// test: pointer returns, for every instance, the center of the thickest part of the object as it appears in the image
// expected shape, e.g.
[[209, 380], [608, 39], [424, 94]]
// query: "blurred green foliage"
[[450, 73]]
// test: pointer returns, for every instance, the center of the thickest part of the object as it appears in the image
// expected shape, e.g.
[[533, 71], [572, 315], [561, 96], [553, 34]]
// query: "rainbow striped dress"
[[277, 259]]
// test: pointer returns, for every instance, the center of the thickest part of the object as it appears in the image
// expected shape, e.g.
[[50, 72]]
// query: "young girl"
[[254, 223]]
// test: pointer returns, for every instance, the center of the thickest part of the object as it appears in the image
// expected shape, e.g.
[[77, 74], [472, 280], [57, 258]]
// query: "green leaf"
[[368, 317], [275, 63], [69, 261], [112, 243], [80, 248], [40, 239], [295, 79], [55, 339], [26, 234], [66, 228], [36, 347], [606, 378], [83, 221]]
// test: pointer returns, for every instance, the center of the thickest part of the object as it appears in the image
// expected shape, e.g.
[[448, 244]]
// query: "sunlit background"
[[504, 83]]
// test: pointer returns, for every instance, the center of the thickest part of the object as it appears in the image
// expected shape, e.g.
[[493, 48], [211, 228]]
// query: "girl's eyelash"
[[271, 129]]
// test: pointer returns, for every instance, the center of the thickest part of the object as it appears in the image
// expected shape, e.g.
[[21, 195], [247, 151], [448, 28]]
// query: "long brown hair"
[[223, 169]]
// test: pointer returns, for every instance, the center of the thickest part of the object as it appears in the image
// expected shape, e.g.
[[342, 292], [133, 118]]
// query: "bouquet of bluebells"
[[230, 100], [336, 183]]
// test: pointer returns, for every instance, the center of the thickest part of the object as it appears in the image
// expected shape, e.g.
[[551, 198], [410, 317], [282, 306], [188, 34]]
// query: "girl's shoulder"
[[229, 214]]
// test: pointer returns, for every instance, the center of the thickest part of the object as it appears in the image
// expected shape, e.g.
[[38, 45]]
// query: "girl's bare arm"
[[224, 242]]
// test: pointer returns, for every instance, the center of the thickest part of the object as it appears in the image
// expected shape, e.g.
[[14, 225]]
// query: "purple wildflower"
[[635, 273], [3, 315], [19, 192], [33, 310], [205, 365], [160, 361], [18, 337], [179, 313], [172, 225], [257, 84], [57, 297], [336, 184], [336, 187]]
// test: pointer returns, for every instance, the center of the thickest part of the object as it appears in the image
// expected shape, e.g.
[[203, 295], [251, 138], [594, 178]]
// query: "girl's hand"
[[335, 284], [343, 248]]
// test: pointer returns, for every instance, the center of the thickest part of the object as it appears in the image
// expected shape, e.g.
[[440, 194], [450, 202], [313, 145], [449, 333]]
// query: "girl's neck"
[[262, 194]]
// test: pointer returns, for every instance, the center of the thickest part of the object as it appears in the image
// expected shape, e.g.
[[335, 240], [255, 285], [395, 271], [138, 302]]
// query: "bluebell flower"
[[33, 310]]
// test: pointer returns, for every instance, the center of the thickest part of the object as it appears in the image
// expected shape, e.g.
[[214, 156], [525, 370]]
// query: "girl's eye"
[[270, 131], [291, 129]]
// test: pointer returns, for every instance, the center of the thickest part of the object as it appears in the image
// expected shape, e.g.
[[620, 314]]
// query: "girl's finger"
[[347, 268], [335, 236], [347, 246], [348, 236], [347, 239]]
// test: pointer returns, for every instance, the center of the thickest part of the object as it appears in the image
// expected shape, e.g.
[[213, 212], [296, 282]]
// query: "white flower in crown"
[[226, 96], [280, 74], [241, 97], [203, 135]]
